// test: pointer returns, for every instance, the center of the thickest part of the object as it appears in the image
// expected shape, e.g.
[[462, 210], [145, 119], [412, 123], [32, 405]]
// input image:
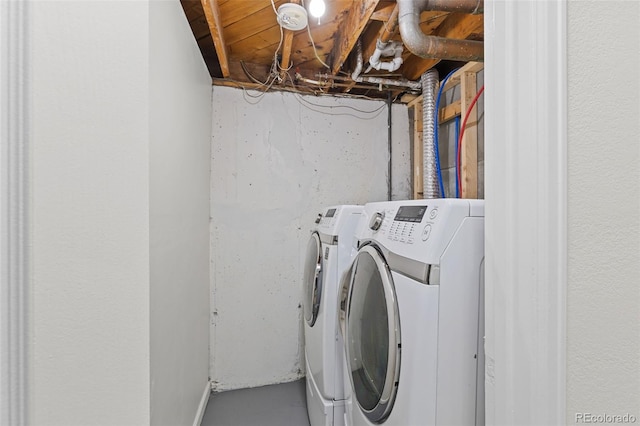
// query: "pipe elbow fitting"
[[397, 63], [427, 46]]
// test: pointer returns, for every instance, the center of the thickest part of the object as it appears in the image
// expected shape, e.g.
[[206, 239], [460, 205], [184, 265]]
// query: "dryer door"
[[312, 279], [373, 335]]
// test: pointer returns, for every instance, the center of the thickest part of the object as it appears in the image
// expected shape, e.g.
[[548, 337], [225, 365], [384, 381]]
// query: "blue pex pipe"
[[436, 135]]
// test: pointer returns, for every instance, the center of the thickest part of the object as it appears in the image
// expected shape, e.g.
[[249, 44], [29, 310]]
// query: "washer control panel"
[[329, 218]]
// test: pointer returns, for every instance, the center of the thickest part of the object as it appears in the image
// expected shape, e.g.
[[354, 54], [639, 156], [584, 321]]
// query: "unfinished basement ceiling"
[[244, 46]]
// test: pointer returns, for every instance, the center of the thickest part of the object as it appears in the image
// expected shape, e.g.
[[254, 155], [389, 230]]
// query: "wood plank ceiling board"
[[235, 11], [262, 20], [383, 12], [305, 54], [260, 48]]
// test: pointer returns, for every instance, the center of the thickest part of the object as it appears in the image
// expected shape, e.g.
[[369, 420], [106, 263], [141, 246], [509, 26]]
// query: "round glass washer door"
[[373, 335], [312, 279]]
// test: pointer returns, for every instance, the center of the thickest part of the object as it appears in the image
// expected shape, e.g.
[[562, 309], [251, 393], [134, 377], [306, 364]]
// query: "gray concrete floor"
[[275, 405]]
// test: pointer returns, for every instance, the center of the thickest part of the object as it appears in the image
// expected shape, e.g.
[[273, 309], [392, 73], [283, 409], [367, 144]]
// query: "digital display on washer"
[[330, 213], [410, 213]]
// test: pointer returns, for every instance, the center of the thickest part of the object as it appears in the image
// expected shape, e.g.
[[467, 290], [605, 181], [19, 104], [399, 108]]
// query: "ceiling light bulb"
[[317, 8]]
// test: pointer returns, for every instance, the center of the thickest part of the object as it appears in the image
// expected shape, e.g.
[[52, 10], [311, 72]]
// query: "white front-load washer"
[[328, 255], [411, 315]]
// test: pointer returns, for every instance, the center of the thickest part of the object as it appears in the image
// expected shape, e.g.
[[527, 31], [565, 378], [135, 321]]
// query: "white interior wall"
[[179, 152], [120, 201], [275, 164], [603, 324], [89, 309], [400, 153]]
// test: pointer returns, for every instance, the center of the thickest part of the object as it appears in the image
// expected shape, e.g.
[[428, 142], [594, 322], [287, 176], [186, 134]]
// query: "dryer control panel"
[[416, 228]]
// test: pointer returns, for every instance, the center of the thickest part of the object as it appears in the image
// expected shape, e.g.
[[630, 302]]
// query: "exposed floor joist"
[[212, 14], [350, 31]]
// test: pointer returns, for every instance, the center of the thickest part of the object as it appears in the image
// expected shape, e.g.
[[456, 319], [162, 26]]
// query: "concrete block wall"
[[275, 163]]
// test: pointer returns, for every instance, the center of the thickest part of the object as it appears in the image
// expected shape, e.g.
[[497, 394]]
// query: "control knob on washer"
[[376, 221]]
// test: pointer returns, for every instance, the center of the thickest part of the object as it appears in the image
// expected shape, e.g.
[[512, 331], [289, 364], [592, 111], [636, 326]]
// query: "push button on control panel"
[[426, 232], [402, 231], [433, 214]]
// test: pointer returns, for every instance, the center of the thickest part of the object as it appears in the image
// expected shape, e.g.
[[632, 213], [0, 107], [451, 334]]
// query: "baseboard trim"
[[203, 404]]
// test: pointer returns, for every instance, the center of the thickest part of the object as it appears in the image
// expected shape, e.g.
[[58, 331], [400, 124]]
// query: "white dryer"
[[328, 255], [411, 314]]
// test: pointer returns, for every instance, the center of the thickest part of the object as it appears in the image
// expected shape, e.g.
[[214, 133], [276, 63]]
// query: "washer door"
[[312, 279], [373, 335]]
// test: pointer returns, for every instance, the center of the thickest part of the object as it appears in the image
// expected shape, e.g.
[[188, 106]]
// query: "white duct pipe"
[[430, 83], [355, 76], [390, 66], [386, 49]]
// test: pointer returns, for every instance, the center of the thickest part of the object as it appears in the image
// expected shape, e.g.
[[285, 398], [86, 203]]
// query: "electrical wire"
[[315, 51], [436, 137], [373, 111], [258, 97], [312, 106], [275, 54], [252, 78], [304, 102], [267, 84], [462, 128]]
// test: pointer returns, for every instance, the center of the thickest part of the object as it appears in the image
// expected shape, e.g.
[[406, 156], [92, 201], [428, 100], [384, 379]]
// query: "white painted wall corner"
[[202, 407]]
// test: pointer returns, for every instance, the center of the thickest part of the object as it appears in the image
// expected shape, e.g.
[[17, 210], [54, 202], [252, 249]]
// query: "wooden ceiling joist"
[[287, 45], [285, 62], [213, 19], [350, 31], [383, 13]]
